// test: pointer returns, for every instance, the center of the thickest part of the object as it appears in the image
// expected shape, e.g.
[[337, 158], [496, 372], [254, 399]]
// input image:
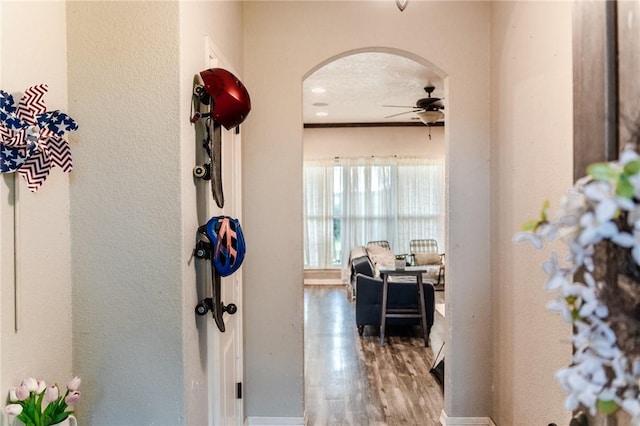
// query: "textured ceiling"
[[356, 87]]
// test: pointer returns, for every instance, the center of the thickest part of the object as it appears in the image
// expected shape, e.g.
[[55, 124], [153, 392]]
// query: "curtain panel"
[[318, 214], [348, 202]]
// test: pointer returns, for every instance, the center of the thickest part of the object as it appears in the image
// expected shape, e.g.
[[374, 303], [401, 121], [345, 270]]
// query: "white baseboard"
[[275, 421], [323, 281], [465, 421]]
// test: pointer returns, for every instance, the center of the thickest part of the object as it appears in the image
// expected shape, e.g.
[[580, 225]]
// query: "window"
[[348, 202]]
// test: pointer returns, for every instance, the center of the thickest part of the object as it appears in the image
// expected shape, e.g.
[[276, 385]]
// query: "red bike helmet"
[[231, 102]]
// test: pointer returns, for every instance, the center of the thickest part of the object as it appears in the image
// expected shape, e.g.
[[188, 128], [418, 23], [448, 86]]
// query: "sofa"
[[367, 288]]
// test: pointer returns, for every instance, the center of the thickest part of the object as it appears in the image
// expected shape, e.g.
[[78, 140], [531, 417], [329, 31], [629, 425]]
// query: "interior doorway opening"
[[364, 114]]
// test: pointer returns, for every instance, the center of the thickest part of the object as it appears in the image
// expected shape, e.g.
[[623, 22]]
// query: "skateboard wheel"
[[202, 250], [202, 308], [231, 308], [199, 171]]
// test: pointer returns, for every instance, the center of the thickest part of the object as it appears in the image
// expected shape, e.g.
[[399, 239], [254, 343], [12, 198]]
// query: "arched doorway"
[[362, 103]]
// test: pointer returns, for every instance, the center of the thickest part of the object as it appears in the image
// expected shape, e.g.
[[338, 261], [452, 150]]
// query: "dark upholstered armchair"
[[369, 302]]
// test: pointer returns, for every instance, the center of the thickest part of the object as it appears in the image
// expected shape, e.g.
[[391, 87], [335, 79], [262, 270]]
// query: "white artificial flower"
[[558, 276], [589, 302], [594, 231], [631, 406], [635, 252], [625, 203], [559, 305], [624, 239], [628, 155], [598, 191], [606, 210], [635, 182], [534, 239], [590, 213]]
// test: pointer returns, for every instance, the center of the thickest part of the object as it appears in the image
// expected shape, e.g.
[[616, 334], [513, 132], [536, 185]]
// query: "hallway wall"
[[41, 347], [379, 141], [532, 161], [131, 66], [283, 42]]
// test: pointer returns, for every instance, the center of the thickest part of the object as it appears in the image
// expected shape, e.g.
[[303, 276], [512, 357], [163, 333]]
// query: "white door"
[[225, 349]]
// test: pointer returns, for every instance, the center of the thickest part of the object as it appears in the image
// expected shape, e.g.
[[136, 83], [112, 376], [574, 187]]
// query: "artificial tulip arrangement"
[[36, 404]]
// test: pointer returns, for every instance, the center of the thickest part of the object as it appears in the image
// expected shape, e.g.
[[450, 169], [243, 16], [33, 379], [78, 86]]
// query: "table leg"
[[423, 311], [383, 308]]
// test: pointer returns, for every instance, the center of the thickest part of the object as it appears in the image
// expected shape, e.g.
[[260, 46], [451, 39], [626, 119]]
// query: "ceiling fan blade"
[[426, 103], [398, 106], [400, 113]]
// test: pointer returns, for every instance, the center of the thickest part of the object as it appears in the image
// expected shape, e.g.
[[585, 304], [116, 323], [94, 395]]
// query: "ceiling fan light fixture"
[[429, 117]]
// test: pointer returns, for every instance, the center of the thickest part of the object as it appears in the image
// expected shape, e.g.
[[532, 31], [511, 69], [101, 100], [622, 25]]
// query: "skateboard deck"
[[203, 250], [212, 142]]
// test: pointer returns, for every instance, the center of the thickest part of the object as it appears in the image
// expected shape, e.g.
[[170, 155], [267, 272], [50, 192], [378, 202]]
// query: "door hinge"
[[239, 390]]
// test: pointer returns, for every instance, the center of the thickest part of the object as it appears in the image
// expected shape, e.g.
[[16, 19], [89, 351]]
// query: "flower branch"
[[597, 283]]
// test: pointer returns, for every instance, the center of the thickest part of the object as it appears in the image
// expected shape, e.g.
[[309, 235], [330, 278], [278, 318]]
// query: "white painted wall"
[[42, 345], [531, 162], [283, 42], [221, 21], [131, 66], [128, 255], [322, 143]]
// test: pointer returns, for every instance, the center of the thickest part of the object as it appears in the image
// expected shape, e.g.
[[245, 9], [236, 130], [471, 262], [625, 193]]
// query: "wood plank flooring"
[[352, 380]]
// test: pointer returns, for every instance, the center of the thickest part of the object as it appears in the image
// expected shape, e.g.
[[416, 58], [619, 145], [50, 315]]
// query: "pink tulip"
[[52, 393], [13, 409], [41, 387], [12, 394], [72, 398], [74, 384], [22, 393], [31, 384]]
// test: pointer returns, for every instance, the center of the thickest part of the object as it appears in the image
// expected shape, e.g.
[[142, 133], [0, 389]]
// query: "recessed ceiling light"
[[322, 113], [318, 90]]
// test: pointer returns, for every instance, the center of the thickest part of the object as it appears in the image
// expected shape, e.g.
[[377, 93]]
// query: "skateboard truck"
[[206, 305], [202, 250], [215, 305]]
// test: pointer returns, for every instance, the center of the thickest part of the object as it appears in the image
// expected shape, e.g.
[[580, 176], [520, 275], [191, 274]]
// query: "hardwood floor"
[[352, 380]]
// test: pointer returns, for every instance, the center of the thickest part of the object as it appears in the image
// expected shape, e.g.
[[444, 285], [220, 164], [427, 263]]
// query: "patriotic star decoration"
[[32, 138]]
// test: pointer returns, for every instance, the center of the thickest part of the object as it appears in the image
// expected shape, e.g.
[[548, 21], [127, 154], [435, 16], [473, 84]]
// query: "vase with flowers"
[[35, 403]]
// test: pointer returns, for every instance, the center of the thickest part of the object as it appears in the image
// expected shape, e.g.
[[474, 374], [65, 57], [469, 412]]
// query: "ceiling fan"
[[428, 110]]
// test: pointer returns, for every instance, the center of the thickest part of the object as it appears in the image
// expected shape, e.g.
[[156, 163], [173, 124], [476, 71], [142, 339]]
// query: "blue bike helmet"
[[227, 243]]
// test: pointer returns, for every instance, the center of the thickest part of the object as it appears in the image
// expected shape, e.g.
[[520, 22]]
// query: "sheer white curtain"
[[420, 201], [348, 202], [368, 208], [318, 214]]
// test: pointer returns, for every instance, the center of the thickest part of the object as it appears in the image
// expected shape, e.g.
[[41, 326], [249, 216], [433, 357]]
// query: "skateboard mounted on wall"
[[220, 241], [211, 169], [227, 104], [219, 99]]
